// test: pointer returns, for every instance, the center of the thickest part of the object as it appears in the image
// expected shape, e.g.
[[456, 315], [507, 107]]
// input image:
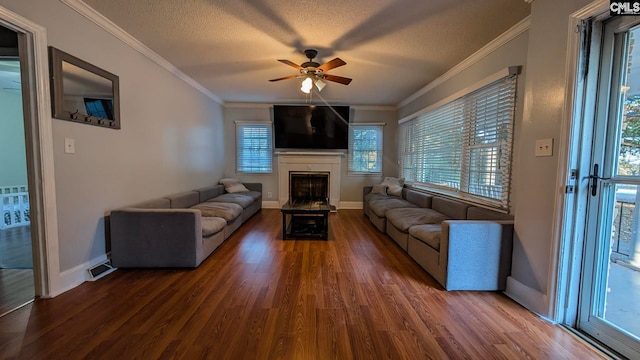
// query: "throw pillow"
[[379, 189], [228, 181], [232, 185], [236, 188], [395, 185]]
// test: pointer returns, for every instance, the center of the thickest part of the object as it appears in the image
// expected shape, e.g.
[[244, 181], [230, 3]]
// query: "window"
[[254, 152], [464, 145], [365, 148]]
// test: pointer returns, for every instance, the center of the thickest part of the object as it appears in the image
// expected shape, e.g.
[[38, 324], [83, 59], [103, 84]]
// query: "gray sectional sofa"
[[463, 247], [179, 230]]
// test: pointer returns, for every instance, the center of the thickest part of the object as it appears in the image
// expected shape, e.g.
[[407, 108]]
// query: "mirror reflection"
[[82, 92], [86, 93]]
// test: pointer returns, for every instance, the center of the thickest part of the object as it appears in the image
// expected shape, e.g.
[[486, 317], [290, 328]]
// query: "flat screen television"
[[311, 127]]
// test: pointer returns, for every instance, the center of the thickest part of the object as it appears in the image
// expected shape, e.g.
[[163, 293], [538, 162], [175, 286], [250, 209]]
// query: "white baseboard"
[[351, 205], [270, 205], [72, 278], [528, 297]]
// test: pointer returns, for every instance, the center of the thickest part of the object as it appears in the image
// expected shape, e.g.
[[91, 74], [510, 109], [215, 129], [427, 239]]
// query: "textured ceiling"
[[392, 48]]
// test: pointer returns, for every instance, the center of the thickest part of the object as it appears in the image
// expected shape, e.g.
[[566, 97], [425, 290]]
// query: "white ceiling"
[[392, 48]]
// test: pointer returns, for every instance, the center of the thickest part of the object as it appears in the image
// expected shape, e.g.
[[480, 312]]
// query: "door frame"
[[39, 149], [583, 53]]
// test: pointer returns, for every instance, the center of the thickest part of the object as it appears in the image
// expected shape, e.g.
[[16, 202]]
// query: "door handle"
[[594, 179]]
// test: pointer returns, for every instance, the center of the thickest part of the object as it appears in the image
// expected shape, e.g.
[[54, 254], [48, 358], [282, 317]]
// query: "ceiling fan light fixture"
[[320, 84], [307, 84]]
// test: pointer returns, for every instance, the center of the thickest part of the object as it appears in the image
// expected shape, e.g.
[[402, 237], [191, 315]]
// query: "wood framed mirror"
[[82, 92]]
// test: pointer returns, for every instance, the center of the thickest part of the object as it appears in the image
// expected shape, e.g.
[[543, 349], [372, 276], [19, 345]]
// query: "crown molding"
[[92, 15], [238, 105], [492, 46]]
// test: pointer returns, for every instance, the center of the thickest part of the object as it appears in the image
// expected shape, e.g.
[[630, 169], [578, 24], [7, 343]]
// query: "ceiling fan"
[[314, 73]]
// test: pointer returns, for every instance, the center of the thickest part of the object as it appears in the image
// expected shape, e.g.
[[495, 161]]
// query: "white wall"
[[351, 185], [13, 160], [171, 138]]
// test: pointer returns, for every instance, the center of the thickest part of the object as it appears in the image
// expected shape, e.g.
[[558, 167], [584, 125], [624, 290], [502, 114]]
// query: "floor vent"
[[101, 270]]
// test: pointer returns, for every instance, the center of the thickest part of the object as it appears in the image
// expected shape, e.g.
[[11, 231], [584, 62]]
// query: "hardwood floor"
[[16, 273], [355, 296], [16, 288]]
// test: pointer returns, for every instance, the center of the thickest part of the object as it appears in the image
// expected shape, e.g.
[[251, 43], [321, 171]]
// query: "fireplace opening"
[[308, 187]]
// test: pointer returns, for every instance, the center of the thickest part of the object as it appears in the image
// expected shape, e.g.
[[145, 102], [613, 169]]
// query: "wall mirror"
[[82, 92]]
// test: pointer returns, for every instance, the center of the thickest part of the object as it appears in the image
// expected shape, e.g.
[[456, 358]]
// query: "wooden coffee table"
[[308, 220]]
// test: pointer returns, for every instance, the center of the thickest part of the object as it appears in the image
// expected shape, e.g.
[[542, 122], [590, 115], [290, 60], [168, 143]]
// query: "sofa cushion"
[[184, 200], [428, 234], [373, 197], [209, 192], [380, 207], [212, 225], [404, 218], [227, 211], [478, 213], [419, 198], [255, 195], [236, 198], [161, 203], [453, 209]]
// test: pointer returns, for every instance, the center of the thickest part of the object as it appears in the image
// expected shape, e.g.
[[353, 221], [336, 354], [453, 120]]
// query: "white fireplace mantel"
[[326, 162]]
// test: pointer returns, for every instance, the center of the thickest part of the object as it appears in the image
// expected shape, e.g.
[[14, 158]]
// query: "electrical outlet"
[[269, 195]]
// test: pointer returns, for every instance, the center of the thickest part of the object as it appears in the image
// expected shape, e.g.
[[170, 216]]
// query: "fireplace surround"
[[310, 162]]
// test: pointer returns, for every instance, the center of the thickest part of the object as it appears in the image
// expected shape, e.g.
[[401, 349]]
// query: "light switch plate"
[[544, 147], [69, 146]]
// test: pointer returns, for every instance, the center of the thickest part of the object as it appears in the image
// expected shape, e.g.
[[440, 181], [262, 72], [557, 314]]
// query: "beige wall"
[[540, 115], [537, 190], [512, 53], [351, 185], [171, 138]]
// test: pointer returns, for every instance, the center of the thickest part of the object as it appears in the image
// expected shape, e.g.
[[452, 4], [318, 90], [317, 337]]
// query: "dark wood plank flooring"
[[355, 296]]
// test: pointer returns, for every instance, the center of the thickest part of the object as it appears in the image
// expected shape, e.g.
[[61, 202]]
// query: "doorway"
[[16, 259], [603, 300]]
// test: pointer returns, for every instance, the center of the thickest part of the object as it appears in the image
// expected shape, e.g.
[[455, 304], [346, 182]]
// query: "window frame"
[[267, 148], [378, 149]]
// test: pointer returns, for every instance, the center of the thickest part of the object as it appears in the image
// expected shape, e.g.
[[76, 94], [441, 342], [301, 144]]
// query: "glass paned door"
[[610, 292]]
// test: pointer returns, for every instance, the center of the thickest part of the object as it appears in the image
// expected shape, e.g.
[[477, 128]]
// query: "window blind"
[[464, 146], [365, 148], [254, 151]]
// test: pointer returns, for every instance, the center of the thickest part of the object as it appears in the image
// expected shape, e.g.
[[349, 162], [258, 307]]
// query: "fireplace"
[[310, 162], [308, 187]]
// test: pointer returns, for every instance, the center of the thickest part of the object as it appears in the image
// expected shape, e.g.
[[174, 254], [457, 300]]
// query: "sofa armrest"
[[366, 190], [155, 237], [476, 253], [254, 186]]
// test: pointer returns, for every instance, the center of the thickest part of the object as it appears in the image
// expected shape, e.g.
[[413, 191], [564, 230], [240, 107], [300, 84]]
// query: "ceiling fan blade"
[[291, 63], [285, 78], [332, 64], [338, 79]]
